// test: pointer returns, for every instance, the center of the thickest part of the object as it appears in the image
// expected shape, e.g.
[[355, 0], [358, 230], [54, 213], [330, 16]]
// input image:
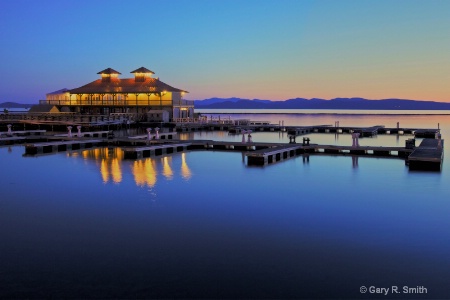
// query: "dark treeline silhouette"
[[315, 103]]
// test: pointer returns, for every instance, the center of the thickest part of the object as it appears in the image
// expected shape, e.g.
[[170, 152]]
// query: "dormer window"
[[107, 74], [141, 74]]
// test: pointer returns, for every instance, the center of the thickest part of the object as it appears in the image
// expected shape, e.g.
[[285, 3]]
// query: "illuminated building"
[[111, 94]]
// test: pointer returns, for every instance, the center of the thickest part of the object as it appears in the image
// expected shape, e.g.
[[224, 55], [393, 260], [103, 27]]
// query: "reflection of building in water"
[[144, 172], [110, 162], [167, 170], [221, 133], [185, 171], [116, 172]]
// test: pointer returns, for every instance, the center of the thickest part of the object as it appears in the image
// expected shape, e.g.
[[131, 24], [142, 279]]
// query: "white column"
[[69, 134]]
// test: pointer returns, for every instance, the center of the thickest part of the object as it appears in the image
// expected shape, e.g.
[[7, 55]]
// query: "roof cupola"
[[107, 74], [141, 74]]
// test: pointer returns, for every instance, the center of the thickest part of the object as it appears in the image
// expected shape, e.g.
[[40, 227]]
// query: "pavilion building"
[[111, 94]]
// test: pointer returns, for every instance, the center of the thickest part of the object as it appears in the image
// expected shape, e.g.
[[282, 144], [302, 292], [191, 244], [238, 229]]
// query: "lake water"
[[202, 224]]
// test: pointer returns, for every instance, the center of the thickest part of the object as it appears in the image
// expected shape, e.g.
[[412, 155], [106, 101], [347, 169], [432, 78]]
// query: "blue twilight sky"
[[266, 49]]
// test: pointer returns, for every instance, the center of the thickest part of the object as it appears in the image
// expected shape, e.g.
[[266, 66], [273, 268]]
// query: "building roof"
[[61, 91], [109, 71], [125, 85], [142, 70]]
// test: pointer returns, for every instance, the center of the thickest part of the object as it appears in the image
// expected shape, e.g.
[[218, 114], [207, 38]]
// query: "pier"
[[154, 150], [22, 133], [58, 146], [271, 155], [92, 134], [162, 136], [61, 120], [12, 140], [429, 155]]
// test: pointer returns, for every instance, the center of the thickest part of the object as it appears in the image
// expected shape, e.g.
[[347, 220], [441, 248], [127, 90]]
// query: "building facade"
[[111, 94]]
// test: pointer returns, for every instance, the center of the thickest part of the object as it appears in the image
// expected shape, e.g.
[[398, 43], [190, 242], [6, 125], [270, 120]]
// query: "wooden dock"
[[162, 136], [23, 133], [365, 131], [272, 155], [154, 150], [233, 146], [59, 146], [12, 140], [91, 134], [429, 155]]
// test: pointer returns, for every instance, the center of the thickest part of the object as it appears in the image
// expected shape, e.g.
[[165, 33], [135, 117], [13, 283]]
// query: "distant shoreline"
[[412, 112]]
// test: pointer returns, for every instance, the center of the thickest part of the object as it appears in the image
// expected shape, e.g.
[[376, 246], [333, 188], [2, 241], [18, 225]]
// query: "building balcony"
[[120, 103]]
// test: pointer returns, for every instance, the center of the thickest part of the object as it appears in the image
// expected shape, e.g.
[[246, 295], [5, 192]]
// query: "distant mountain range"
[[302, 103], [15, 105], [315, 103]]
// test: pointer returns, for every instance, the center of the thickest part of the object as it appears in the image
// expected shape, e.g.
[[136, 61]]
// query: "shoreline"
[[323, 113]]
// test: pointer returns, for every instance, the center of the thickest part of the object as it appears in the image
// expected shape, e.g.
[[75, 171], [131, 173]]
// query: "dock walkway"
[[272, 155], [429, 155], [154, 150], [162, 136], [92, 134], [50, 147], [23, 132]]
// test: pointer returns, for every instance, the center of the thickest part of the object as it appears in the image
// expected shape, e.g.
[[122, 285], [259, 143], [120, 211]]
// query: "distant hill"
[[316, 103], [15, 105], [231, 100]]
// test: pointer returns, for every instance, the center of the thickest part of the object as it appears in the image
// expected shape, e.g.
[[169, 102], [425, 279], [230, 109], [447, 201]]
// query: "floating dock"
[[162, 136], [154, 150], [271, 155], [429, 155], [91, 134], [23, 133], [59, 146], [12, 140]]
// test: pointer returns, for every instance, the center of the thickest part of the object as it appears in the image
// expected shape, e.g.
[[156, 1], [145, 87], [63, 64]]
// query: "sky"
[[254, 49]]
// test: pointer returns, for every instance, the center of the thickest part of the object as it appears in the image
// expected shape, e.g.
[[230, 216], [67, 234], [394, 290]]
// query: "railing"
[[69, 117], [205, 120], [190, 120], [118, 102], [183, 103]]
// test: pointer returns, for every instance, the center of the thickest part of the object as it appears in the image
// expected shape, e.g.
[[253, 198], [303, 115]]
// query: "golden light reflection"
[[104, 171], [110, 160], [185, 171], [144, 172], [116, 171], [73, 154], [167, 170]]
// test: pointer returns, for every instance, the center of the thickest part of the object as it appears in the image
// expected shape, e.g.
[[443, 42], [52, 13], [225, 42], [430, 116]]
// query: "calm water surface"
[[202, 224]]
